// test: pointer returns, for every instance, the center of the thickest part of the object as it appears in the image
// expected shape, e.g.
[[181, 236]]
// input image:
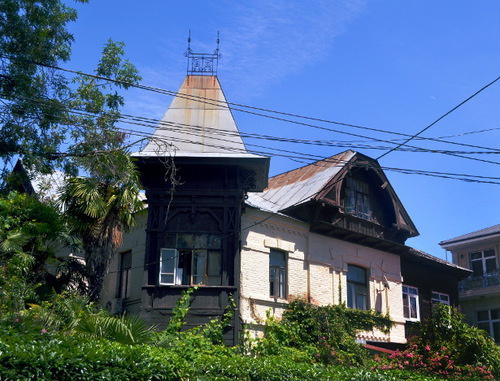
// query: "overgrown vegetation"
[[447, 346], [68, 338], [325, 333]]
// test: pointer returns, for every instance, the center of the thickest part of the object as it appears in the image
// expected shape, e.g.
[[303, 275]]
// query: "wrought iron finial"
[[202, 63]]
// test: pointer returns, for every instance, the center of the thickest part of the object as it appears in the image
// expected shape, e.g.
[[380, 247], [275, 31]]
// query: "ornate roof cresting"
[[202, 63]]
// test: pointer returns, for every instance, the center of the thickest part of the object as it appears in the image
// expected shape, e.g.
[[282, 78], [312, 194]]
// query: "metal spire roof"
[[198, 123]]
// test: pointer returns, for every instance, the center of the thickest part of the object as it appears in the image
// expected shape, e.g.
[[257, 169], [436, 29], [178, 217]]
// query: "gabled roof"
[[485, 233], [45, 186], [300, 185], [198, 123]]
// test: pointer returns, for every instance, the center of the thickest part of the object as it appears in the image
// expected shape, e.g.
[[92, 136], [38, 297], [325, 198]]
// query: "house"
[[333, 231], [479, 294]]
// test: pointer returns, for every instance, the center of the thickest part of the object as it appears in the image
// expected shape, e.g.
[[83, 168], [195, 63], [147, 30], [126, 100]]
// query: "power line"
[[225, 104], [298, 156], [146, 122], [440, 118]]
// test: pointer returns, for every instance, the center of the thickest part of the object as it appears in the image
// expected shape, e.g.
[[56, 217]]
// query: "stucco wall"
[[317, 268], [136, 242]]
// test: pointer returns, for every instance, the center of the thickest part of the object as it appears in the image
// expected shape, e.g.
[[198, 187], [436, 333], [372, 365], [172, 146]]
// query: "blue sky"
[[389, 65]]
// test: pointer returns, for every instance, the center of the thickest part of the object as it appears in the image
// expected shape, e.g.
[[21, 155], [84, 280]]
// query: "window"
[[277, 274], [489, 320], [411, 309], [357, 287], [438, 297], [195, 261], [124, 275], [357, 200], [482, 262]]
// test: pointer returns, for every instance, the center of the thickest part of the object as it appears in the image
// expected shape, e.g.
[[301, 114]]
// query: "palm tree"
[[99, 209]]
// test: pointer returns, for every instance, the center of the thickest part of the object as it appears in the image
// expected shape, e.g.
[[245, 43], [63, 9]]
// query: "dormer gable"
[[346, 195]]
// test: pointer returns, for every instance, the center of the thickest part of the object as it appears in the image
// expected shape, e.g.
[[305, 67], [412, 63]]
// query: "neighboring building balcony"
[[483, 283]]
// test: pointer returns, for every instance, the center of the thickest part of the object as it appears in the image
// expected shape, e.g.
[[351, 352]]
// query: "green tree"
[[99, 209], [41, 109], [33, 37], [28, 232]]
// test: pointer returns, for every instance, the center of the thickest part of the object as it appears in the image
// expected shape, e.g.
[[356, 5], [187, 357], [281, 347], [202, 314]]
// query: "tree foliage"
[[41, 109], [29, 231], [99, 209]]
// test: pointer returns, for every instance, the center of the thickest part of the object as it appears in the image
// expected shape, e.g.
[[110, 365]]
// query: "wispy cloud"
[[266, 41], [262, 43]]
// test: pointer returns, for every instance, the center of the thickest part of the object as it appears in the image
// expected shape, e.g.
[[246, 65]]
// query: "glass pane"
[[491, 265], [406, 306], [184, 268], [199, 261], [350, 295], [477, 267], [167, 267], [167, 278], [214, 242], [489, 253], [282, 284], [482, 316], [476, 255], [412, 291], [272, 281], [214, 268], [276, 258], [495, 314], [200, 241], [361, 299], [126, 260], [183, 241], [496, 331], [413, 308], [356, 274]]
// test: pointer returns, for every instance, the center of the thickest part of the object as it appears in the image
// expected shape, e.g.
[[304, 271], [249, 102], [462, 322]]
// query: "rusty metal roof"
[[198, 123], [299, 185]]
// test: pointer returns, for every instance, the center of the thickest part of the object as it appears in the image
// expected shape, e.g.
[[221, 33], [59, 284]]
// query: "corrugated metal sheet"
[[300, 185]]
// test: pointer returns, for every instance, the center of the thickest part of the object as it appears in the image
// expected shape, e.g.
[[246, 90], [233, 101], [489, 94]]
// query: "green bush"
[[51, 357], [445, 345], [326, 333]]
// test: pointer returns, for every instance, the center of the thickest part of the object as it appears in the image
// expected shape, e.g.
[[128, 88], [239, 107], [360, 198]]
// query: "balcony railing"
[[491, 279]]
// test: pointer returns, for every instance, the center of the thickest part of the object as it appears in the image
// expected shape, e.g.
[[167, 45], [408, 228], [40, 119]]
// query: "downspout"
[[308, 267]]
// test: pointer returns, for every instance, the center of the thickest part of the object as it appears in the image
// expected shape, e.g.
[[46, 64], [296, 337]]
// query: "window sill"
[[183, 286]]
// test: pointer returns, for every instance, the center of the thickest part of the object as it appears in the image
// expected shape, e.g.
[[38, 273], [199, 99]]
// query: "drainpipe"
[[308, 266]]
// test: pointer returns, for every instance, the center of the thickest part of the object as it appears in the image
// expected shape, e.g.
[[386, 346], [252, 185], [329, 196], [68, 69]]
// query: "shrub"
[[445, 345], [327, 333]]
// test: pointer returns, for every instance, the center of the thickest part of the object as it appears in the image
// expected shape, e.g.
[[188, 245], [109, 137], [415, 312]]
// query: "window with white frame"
[[277, 274], [196, 260], [411, 308], [357, 287], [482, 262], [489, 320], [439, 297]]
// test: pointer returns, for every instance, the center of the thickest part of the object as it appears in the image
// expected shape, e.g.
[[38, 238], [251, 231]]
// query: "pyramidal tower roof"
[[198, 123]]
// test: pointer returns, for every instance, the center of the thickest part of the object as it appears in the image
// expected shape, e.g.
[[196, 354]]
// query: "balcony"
[[491, 279]]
